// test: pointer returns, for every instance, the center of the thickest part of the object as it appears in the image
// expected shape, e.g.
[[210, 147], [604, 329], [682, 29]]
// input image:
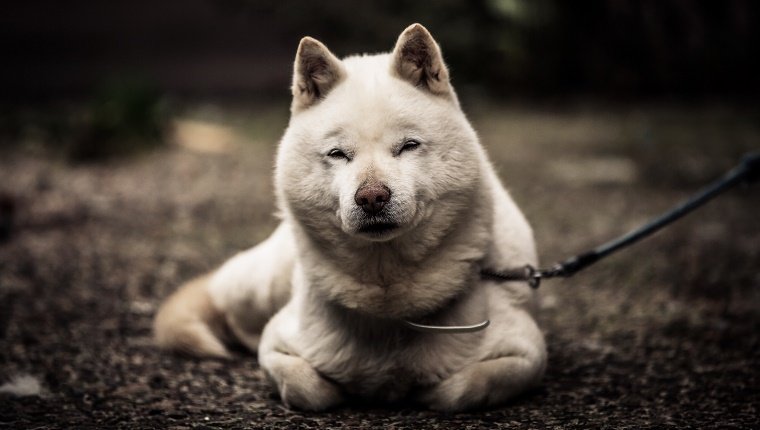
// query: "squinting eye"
[[337, 153], [409, 145]]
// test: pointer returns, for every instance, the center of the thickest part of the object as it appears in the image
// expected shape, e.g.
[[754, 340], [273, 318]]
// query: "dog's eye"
[[337, 153], [409, 145]]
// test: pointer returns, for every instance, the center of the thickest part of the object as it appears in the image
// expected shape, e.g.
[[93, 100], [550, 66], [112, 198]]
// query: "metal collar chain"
[[448, 328]]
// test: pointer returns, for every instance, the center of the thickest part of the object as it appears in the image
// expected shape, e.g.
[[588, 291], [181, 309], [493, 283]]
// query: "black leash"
[[747, 171]]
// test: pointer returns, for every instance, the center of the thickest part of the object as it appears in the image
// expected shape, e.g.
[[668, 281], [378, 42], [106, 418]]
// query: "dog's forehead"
[[369, 85], [372, 105], [371, 97]]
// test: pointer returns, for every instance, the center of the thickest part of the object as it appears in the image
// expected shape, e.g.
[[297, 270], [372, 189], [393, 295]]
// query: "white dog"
[[390, 209]]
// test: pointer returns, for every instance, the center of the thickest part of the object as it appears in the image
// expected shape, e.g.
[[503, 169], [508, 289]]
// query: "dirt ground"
[[665, 334]]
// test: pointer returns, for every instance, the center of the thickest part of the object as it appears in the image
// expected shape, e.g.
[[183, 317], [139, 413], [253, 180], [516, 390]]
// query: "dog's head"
[[377, 145]]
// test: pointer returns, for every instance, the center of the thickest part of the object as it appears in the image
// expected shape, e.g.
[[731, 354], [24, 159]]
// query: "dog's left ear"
[[417, 59]]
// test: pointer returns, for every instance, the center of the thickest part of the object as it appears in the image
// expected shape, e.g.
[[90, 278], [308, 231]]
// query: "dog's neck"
[[463, 309], [407, 277]]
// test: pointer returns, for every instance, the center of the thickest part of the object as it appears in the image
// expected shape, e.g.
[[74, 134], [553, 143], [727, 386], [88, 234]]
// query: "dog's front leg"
[[515, 361], [486, 383], [300, 385]]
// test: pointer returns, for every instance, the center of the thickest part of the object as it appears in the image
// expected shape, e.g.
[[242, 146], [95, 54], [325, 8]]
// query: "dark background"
[[244, 49]]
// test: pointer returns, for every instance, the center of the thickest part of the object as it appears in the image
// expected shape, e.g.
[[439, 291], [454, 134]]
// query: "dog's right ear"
[[315, 73]]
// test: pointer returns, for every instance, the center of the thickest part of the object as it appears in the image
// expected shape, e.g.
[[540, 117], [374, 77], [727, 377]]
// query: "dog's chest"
[[386, 383]]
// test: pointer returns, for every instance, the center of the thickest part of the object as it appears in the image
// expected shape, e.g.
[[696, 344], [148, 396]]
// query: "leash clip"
[[533, 276]]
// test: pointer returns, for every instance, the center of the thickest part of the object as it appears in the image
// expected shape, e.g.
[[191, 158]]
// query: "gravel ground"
[[665, 334]]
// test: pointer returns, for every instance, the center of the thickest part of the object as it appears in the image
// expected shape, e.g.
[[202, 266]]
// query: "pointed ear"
[[418, 60], [315, 73]]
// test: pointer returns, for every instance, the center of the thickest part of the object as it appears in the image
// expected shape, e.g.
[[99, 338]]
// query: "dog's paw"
[[302, 387], [454, 394], [485, 383]]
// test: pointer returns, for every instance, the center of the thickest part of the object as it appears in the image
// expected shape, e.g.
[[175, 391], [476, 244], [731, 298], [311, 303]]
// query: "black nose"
[[372, 197]]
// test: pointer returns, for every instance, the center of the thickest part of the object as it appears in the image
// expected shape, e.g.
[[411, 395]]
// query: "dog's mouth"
[[378, 229]]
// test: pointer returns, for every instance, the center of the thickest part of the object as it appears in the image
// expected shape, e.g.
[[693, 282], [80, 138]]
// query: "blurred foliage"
[[125, 116], [616, 47]]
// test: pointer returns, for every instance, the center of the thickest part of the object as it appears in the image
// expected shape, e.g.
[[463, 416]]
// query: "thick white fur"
[[331, 300]]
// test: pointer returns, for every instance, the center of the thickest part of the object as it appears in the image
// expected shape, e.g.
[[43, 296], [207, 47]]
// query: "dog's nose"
[[372, 197]]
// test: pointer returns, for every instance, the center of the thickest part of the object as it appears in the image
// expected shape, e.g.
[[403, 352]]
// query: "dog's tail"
[[189, 323]]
